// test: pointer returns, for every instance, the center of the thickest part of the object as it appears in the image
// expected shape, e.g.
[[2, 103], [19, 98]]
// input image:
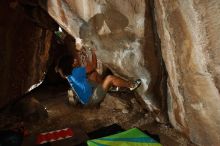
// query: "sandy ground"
[[120, 108]]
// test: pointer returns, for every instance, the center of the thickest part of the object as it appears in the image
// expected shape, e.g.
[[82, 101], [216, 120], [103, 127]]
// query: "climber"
[[87, 84]]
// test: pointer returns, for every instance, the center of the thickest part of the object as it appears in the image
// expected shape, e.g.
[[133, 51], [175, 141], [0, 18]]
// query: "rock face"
[[189, 31], [24, 52], [122, 33]]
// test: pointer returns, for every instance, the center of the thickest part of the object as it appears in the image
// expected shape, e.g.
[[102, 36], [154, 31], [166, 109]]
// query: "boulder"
[[189, 31], [123, 34], [24, 52]]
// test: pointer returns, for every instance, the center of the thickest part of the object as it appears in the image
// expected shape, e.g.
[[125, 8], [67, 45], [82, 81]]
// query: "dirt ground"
[[120, 108]]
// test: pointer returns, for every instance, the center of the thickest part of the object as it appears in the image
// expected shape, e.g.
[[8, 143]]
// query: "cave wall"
[[122, 33], [24, 50], [189, 31]]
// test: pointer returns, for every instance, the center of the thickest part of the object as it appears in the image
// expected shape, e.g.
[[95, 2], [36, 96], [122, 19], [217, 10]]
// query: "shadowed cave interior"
[[153, 41]]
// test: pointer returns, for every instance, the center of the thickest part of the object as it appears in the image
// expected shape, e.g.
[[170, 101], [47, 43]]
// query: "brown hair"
[[65, 64]]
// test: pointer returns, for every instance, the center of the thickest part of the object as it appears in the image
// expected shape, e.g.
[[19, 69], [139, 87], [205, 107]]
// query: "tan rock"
[[122, 33], [189, 34]]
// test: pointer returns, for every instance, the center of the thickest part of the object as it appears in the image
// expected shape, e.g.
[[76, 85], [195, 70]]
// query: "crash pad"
[[132, 137]]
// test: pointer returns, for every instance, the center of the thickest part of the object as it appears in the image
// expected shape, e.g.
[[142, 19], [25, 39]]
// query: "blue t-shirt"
[[80, 84]]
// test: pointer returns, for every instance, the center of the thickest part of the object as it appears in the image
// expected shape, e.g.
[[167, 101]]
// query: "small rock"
[[146, 115], [157, 119], [133, 100], [125, 111]]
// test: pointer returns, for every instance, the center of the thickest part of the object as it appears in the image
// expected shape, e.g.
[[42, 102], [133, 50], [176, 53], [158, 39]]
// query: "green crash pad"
[[132, 137]]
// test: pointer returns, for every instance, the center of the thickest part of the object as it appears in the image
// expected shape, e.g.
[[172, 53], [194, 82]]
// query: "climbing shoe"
[[135, 85], [114, 89]]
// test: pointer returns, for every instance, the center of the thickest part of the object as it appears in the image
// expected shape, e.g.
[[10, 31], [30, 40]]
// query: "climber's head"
[[65, 65]]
